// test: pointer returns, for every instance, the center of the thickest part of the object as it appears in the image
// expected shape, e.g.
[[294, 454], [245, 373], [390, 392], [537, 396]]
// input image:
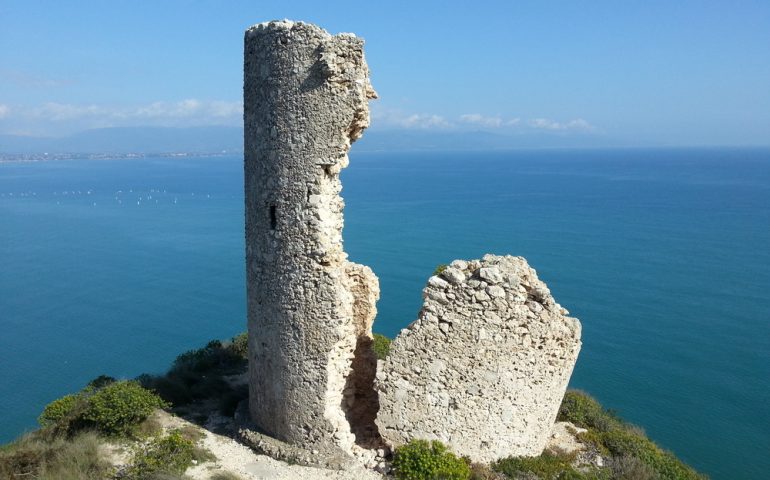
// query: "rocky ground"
[[236, 458]]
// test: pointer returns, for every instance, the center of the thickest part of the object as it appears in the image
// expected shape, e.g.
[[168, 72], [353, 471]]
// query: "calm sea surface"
[[115, 267]]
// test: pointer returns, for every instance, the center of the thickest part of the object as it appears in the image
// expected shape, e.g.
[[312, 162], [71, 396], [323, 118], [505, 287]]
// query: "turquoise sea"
[[115, 267]]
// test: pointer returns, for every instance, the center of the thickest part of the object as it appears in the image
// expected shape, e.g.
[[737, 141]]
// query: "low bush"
[[423, 460], [170, 454], [631, 468], [230, 400], [584, 411], [114, 408], [548, 466], [100, 382], [381, 346], [35, 456], [239, 345], [439, 269], [480, 471], [117, 408], [623, 442], [198, 374], [626, 446], [59, 410], [191, 433], [211, 356]]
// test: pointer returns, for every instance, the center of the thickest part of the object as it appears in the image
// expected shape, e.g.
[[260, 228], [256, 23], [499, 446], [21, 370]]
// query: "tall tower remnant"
[[310, 310]]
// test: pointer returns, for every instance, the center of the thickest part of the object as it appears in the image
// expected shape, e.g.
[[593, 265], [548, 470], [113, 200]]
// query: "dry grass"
[[34, 456]]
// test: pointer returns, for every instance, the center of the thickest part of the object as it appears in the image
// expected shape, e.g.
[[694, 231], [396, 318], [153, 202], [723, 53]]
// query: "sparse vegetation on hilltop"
[[423, 460], [114, 408], [67, 446], [39, 456], [626, 446], [199, 378], [168, 455]]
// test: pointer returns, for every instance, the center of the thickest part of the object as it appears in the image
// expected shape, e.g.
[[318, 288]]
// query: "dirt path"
[[239, 459]]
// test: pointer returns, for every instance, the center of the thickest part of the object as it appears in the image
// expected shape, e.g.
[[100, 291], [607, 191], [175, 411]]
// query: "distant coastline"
[[45, 157]]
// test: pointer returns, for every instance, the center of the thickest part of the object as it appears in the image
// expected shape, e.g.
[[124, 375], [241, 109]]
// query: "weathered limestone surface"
[[310, 310], [484, 367]]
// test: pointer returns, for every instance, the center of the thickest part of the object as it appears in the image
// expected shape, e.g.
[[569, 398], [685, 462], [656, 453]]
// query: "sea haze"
[[115, 267]]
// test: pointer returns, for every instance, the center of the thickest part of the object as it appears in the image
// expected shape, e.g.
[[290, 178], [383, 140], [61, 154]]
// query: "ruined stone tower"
[[485, 365], [310, 310]]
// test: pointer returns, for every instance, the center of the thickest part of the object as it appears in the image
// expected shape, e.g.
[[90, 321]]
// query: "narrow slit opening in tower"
[[273, 218]]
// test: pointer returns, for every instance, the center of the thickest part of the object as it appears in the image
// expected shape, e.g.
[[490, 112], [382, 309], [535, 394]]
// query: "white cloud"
[[182, 109], [421, 121], [190, 108], [485, 121], [577, 124], [64, 112], [384, 117], [481, 120], [54, 118], [226, 109]]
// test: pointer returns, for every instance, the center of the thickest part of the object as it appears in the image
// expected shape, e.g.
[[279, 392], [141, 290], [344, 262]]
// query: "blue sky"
[[639, 72]]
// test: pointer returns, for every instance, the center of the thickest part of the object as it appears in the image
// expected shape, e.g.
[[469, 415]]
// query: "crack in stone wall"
[[360, 401]]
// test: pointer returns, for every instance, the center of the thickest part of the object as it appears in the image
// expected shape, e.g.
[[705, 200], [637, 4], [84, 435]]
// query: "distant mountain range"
[[197, 140], [123, 140], [394, 140]]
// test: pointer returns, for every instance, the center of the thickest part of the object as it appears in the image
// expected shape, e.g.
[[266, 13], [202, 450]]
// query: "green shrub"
[[173, 389], [480, 471], [548, 466], [229, 401], [613, 438], [439, 268], [215, 356], [422, 460], [584, 411], [59, 410], [117, 408], [170, 454], [631, 468], [100, 382], [114, 408], [626, 442], [593, 438], [381, 346], [198, 374], [239, 345]]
